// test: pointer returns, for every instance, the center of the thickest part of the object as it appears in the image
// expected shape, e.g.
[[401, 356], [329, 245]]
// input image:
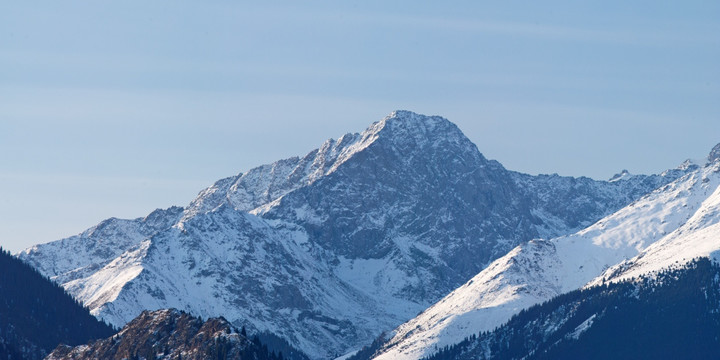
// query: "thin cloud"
[[528, 30]]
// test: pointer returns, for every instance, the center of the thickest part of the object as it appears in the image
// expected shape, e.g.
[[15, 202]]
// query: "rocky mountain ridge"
[[170, 334]]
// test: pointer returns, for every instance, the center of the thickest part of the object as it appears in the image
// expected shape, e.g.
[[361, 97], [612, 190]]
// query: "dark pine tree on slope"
[[36, 314]]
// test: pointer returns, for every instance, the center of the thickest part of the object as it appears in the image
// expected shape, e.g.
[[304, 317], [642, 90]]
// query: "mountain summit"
[[714, 154], [330, 249]]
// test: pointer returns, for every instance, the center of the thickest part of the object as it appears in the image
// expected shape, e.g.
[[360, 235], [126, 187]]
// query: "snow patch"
[[582, 328]]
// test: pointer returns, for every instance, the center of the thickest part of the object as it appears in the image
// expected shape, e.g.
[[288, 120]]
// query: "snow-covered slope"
[[83, 254], [671, 314], [673, 224], [699, 235], [231, 263], [333, 248], [572, 204]]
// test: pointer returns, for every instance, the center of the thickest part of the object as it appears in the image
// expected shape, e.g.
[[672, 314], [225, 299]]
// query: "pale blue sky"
[[117, 108]]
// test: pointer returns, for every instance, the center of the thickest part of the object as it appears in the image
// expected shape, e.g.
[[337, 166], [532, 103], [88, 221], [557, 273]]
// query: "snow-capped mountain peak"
[[404, 132], [714, 154], [620, 176], [407, 126], [330, 249]]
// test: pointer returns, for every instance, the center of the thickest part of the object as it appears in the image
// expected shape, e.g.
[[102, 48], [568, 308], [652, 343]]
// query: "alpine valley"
[[404, 236]]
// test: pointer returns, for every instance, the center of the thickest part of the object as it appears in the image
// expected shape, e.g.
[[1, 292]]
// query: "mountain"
[[36, 314], [669, 314], [171, 334], [81, 255], [699, 235], [330, 249], [672, 225]]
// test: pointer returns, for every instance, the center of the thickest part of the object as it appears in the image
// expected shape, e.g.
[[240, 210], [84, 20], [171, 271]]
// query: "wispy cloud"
[[634, 36]]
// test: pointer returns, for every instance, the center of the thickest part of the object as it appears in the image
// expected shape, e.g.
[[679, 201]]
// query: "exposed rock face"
[[169, 334], [333, 248]]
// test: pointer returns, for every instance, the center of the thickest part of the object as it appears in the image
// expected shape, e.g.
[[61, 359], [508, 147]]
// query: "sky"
[[114, 109]]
